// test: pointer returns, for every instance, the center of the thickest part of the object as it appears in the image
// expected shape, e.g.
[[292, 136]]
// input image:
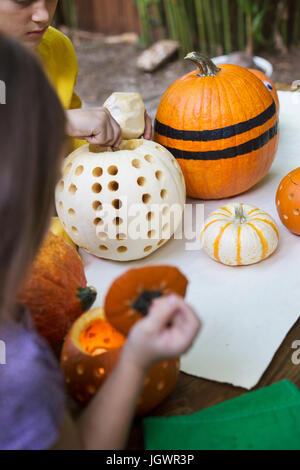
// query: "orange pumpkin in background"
[[221, 124], [269, 84], [93, 345], [288, 201], [55, 290]]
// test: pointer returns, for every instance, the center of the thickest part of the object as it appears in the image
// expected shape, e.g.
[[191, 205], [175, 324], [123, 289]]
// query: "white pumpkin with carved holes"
[[239, 234], [121, 205]]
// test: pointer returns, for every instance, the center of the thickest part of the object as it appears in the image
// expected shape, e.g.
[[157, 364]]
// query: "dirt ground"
[[104, 68]]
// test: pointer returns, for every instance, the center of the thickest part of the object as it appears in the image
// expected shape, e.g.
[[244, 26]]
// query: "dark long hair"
[[32, 124]]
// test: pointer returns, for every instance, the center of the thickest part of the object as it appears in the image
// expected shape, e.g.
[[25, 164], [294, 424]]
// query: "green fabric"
[[265, 419]]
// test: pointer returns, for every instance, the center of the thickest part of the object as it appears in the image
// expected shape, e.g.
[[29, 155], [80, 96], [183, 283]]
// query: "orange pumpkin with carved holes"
[[94, 343], [288, 201]]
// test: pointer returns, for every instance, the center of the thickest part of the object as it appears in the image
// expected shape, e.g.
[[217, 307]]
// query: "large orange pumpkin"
[[90, 353], [288, 201], [221, 123], [55, 290]]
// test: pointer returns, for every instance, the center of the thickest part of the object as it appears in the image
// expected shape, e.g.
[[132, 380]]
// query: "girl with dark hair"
[[32, 397]]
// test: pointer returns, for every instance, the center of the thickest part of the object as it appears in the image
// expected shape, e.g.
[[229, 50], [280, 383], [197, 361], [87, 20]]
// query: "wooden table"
[[193, 394]]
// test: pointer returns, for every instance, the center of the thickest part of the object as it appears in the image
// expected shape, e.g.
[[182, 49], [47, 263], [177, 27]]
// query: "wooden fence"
[[108, 16]]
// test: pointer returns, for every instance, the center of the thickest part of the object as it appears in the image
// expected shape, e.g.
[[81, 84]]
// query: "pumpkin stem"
[[144, 301], [206, 66], [87, 296], [239, 213]]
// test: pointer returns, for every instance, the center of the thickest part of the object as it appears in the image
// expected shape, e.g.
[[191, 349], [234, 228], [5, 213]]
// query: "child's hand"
[[96, 125], [168, 331], [148, 127]]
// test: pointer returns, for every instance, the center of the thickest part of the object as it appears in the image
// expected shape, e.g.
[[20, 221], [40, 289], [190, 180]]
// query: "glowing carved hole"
[[71, 212], [65, 358], [61, 206], [165, 227], [121, 236], [290, 196], [160, 385], [102, 236], [113, 186], [141, 181], [159, 175], [91, 389], [164, 194], [148, 248], [278, 203], [166, 210], [150, 216], [296, 212], [79, 170], [160, 242], [112, 170], [61, 186], [101, 371], [122, 249], [149, 158], [97, 188], [67, 168], [98, 221], [136, 163], [75, 230], [72, 189], [117, 204], [146, 198], [285, 217], [80, 369], [97, 172], [118, 221], [103, 248], [151, 234], [158, 147], [165, 364], [97, 205]]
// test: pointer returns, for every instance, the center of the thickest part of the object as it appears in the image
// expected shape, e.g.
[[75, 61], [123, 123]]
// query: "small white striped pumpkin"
[[239, 234]]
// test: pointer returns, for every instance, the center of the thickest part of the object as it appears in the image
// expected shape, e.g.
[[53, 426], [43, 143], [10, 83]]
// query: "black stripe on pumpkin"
[[232, 152], [216, 134]]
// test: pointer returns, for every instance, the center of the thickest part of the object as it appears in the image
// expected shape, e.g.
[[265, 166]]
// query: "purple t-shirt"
[[32, 396]]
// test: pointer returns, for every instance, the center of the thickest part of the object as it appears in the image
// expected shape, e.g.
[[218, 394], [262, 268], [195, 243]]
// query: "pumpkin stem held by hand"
[[206, 66], [239, 213], [144, 301]]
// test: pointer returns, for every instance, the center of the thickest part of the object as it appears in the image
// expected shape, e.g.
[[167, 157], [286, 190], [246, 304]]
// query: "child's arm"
[[168, 331]]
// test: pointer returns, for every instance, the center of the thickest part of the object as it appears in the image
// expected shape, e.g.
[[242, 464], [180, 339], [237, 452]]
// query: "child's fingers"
[[148, 127], [164, 309]]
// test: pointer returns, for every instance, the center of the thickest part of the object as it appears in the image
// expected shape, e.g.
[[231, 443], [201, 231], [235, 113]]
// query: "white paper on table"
[[246, 311]]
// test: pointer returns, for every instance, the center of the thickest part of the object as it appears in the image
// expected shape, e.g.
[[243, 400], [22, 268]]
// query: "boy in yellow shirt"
[[29, 22]]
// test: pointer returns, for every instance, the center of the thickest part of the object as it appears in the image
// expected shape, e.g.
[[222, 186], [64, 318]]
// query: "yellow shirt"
[[59, 61]]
